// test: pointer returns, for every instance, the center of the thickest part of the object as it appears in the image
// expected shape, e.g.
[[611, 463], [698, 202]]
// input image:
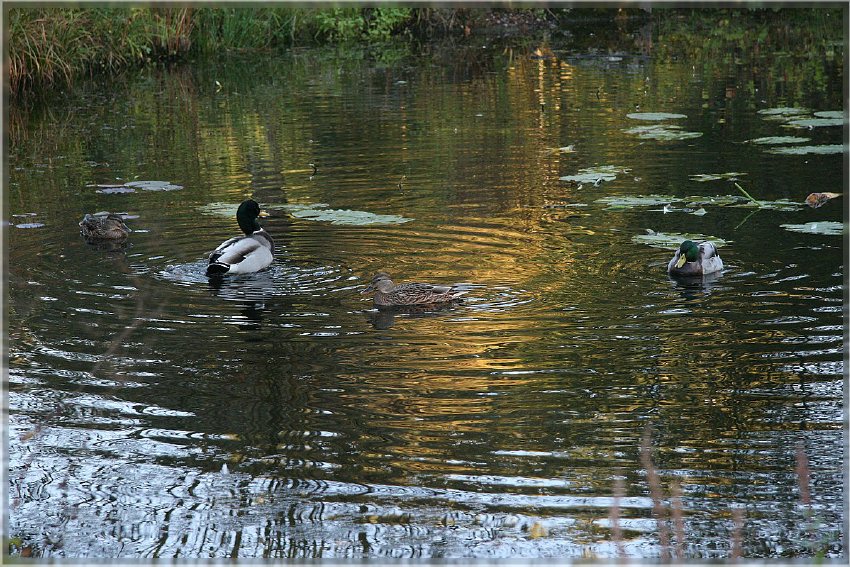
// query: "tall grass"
[[52, 46]]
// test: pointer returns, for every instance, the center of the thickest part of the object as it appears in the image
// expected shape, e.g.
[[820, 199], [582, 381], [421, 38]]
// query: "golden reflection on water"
[[571, 339]]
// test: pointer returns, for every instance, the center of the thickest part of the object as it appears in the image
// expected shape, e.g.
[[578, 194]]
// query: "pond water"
[[154, 414]]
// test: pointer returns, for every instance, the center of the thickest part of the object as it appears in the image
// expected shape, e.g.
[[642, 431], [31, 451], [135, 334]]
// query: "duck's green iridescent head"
[[688, 252], [247, 215]]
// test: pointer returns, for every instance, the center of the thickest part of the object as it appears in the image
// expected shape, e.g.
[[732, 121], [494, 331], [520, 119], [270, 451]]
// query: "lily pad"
[[29, 225], [596, 174], [830, 114], [814, 122], [832, 228], [783, 111], [777, 205], [663, 132], [655, 116], [153, 185], [823, 149], [771, 140], [631, 201], [703, 177], [319, 212], [719, 200], [672, 240], [226, 210], [116, 190]]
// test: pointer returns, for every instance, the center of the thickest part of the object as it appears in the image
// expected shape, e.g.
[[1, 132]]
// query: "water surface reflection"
[[279, 415]]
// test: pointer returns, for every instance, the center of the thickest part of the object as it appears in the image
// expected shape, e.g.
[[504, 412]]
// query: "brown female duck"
[[103, 226], [387, 294]]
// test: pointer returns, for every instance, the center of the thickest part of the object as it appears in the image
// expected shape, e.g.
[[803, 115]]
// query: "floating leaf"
[[596, 174], [815, 200], [830, 114], [654, 116], [318, 212], [29, 225], [777, 205], [631, 201], [664, 132], [814, 122], [779, 140], [720, 200], [116, 190], [783, 111], [153, 185], [672, 240], [227, 210], [703, 177], [832, 228], [824, 149]]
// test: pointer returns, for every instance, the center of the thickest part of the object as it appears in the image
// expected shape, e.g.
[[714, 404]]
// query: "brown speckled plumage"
[[103, 227], [387, 294]]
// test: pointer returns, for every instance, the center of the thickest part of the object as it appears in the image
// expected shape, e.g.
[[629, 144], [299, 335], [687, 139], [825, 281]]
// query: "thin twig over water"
[[737, 528], [616, 533], [655, 493], [803, 475], [678, 519]]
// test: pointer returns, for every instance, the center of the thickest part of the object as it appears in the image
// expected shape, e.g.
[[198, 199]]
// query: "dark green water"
[[152, 414]]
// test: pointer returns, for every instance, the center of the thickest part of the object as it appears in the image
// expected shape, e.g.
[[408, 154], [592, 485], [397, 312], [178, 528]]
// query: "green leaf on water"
[[779, 140], [823, 149], [719, 200], [777, 205], [631, 201], [654, 116], [832, 228], [226, 210], [672, 240], [153, 185], [319, 212], [663, 132], [703, 177], [783, 111], [814, 122], [596, 174], [830, 114]]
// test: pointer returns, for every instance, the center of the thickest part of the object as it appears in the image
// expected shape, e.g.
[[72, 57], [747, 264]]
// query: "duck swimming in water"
[[244, 254], [387, 294], [695, 259], [103, 226]]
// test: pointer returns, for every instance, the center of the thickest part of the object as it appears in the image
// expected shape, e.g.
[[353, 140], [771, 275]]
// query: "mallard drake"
[[387, 294], [244, 254], [103, 226], [695, 259]]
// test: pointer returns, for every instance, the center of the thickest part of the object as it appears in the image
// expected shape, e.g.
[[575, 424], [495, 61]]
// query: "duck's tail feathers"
[[217, 269]]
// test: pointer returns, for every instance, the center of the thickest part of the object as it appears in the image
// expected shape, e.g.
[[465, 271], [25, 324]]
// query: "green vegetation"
[[52, 46]]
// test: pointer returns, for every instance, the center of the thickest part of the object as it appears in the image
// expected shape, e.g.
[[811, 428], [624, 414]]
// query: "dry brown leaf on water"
[[815, 200]]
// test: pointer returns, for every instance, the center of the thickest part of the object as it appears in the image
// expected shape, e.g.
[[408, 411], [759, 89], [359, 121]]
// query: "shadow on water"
[[696, 287], [384, 318]]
